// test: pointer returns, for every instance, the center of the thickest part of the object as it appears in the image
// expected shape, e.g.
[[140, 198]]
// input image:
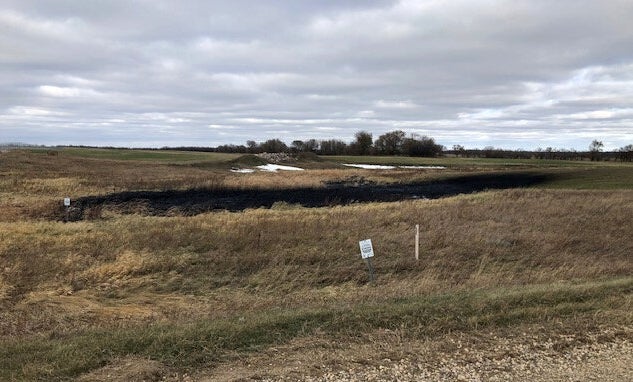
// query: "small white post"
[[66, 206], [417, 242]]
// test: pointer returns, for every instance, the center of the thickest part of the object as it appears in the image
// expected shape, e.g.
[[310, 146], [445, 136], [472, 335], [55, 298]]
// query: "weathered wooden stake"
[[417, 242]]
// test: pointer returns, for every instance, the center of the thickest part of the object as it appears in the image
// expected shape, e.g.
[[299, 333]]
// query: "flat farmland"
[[154, 274]]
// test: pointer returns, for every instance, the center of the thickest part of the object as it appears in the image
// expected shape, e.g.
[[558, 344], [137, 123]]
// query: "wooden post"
[[371, 271], [417, 242]]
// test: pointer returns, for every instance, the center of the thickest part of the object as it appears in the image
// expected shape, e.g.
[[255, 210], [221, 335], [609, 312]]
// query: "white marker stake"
[[67, 206], [417, 242], [367, 252]]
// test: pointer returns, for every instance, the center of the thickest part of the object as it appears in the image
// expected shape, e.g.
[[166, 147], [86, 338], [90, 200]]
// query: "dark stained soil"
[[196, 201]]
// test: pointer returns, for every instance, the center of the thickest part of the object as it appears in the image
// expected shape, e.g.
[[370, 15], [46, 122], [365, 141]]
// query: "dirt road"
[[597, 362], [604, 355]]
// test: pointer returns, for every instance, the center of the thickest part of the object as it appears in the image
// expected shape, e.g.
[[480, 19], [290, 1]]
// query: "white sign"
[[366, 250], [67, 202]]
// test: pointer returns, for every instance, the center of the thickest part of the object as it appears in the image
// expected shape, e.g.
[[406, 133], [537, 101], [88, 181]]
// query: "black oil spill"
[[196, 201]]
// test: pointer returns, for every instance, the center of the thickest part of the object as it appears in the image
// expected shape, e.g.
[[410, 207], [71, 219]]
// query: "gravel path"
[[531, 354], [595, 362], [604, 355]]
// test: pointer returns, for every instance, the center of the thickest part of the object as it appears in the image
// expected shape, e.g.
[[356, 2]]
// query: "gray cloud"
[[153, 73]]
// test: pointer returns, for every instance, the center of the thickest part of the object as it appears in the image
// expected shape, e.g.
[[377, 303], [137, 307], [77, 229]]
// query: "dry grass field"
[[281, 292]]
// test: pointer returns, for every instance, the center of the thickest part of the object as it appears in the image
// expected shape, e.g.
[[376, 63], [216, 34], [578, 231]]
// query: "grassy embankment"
[[190, 292]]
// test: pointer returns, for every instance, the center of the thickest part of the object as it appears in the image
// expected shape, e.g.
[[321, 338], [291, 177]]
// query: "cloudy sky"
[[151, 73]]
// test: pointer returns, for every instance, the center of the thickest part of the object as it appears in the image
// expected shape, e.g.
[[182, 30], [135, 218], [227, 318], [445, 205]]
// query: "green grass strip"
[[160, 156]]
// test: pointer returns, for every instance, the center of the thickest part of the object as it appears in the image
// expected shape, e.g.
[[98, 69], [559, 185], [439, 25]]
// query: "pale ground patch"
[[127, 369], [242, 170], [387, 167], [266, 167], [276, 167], [424, 167], [370, 166]]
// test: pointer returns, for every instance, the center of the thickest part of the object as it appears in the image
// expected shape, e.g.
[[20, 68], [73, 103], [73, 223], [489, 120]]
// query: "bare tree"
[[626, 153], [390, 143], [595, 148], [459, 150], [274, 146], [421, 146], [364, 142]]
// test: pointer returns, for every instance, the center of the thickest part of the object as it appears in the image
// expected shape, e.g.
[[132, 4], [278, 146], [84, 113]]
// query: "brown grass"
[[127, 271], [309, 256]]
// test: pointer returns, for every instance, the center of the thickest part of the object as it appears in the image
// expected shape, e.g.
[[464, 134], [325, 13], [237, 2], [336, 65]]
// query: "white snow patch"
[[275, 167], [425, 167], [242, 170], [370, 166], [385, 167]]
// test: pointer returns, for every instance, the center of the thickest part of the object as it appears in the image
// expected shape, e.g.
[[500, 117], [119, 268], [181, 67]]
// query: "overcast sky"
[[512, 74]]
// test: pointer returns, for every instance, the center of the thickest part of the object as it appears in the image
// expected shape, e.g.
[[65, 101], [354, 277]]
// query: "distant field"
[[169, 156], [163, 156], [596, 178], [562, 174], [468, 162]]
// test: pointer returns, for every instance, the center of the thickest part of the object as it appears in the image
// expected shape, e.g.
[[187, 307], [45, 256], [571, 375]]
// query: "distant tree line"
[[595, 153], [398, 143], [625, 154], [391, 143], [539, 153]]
